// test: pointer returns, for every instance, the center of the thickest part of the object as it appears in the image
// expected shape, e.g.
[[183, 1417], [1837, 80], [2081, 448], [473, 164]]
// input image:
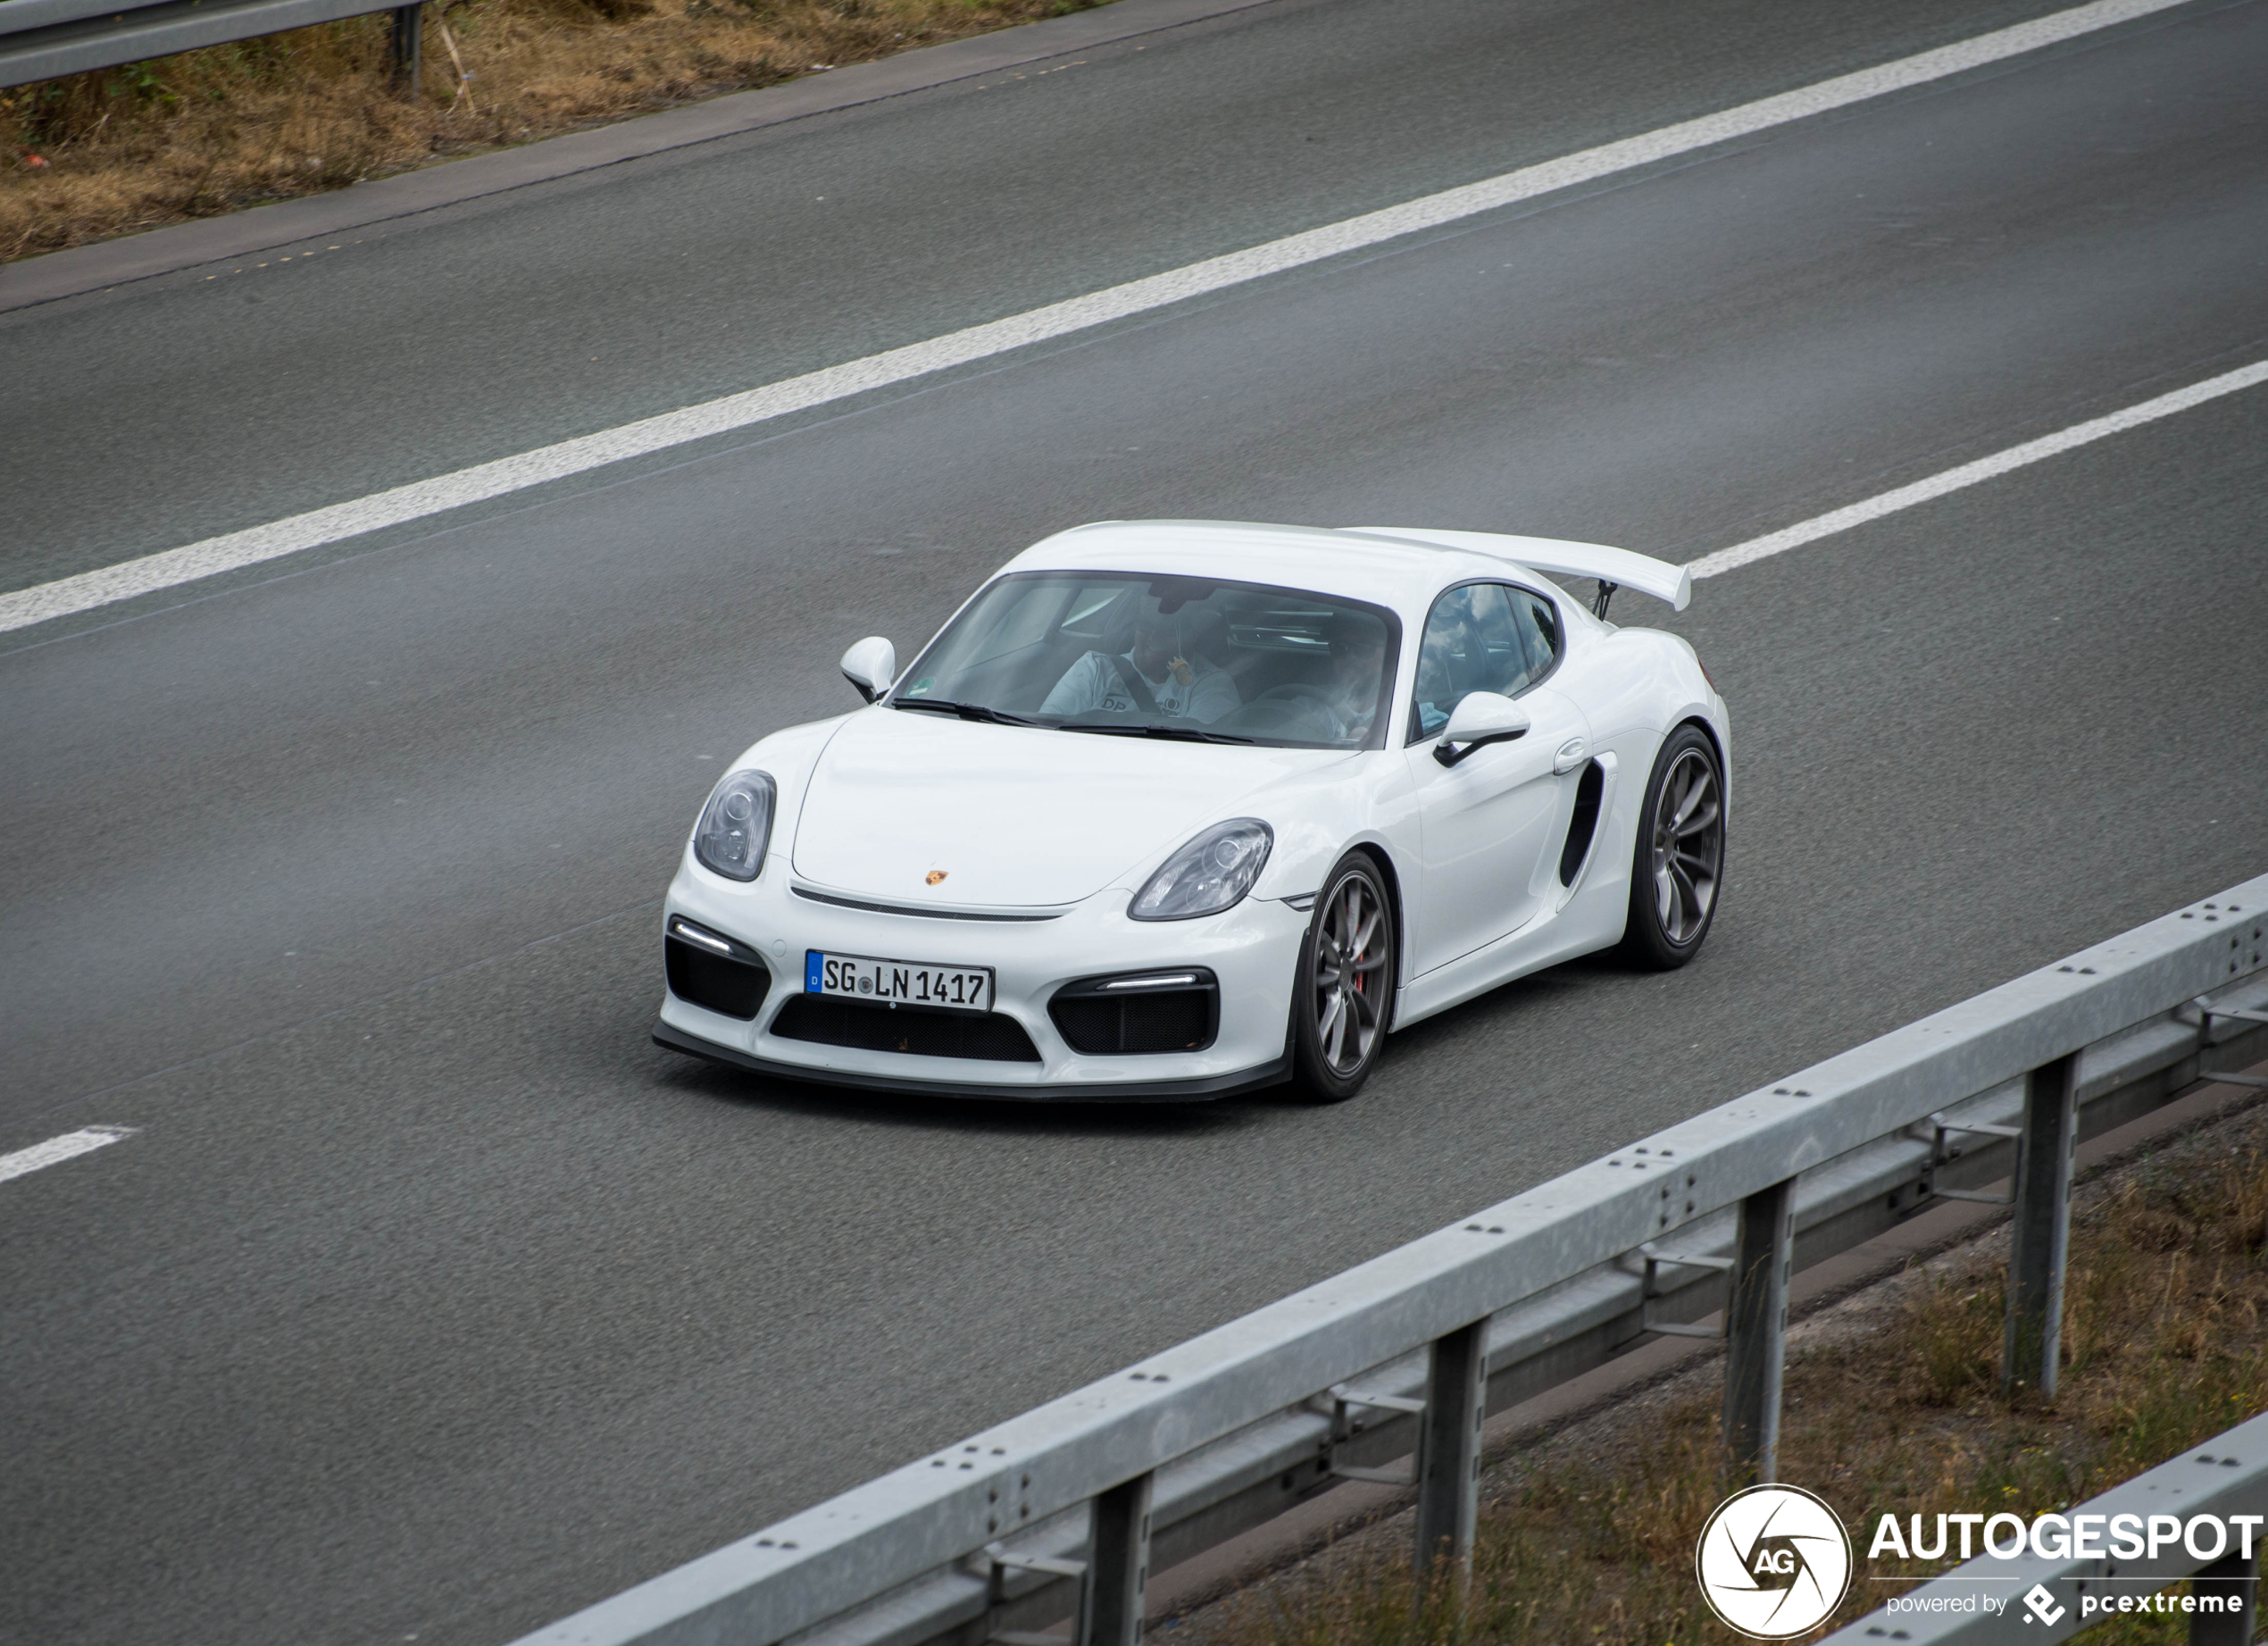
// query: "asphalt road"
[[431, 1300], [184, 407]]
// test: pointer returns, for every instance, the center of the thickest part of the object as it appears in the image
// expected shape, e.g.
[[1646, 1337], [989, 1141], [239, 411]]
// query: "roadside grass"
[[96, 155], [1897, 1410]]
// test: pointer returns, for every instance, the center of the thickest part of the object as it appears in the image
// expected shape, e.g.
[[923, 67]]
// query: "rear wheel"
[[1678, 863], [1345, 984]]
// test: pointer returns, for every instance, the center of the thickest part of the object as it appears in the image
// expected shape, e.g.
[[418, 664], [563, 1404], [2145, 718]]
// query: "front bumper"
[[1252, 949]]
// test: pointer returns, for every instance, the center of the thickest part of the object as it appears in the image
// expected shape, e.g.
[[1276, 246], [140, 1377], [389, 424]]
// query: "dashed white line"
[[1970, 473], [55, 1150], [423, 498]]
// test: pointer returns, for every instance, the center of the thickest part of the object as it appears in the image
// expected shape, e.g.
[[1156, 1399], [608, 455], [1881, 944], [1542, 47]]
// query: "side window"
[[1474, 641], [1539, 628]]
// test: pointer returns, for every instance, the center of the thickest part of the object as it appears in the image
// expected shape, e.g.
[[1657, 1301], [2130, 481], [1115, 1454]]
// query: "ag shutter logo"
[[1773, 1562]]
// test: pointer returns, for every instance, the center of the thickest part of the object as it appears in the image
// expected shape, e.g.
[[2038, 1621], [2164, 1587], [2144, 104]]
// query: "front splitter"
[[1203, 1088]]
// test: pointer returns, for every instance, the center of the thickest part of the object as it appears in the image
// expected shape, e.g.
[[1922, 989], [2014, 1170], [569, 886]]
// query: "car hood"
[[1011, 816]]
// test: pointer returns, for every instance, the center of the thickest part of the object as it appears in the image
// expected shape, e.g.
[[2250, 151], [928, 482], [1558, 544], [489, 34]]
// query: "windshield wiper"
[[1178, 734], [966, 711]]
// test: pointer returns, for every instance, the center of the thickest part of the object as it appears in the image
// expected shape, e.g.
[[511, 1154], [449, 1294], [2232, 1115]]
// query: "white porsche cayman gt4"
[[1172, 809]]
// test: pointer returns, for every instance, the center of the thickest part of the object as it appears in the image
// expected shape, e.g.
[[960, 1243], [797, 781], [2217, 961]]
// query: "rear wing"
[[1614, 568]]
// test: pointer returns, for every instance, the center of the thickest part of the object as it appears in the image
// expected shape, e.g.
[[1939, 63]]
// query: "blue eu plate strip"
[[811, 964]]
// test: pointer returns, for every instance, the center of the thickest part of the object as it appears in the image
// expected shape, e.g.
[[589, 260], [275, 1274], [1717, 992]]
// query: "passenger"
[[1357, 654], [1179, 686]]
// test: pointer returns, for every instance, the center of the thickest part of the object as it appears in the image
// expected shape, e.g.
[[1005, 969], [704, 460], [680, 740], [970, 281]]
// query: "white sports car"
[[1172, 809]]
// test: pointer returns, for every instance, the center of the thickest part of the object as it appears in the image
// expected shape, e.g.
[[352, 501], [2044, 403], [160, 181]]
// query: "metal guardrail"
[[2226, 1476], [41, 39], [1064, 1510]]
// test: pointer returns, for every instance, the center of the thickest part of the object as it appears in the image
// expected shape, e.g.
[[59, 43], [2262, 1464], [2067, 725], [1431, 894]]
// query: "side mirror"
[[1482, 718], [871, 666]]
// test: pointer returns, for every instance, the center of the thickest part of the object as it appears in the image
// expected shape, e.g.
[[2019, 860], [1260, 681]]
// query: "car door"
[[1486, 822]]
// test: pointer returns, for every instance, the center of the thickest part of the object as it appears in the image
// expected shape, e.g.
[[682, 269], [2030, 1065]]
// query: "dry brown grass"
[[1897, 1411], [97, 154]]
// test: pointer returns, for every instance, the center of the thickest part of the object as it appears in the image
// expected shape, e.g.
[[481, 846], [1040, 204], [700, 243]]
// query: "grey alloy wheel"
[[1350, 973], [1686, 846]]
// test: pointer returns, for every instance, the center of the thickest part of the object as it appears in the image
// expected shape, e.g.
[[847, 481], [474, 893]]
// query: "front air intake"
[[864, 1026], [1138, 1013], [709, 970]]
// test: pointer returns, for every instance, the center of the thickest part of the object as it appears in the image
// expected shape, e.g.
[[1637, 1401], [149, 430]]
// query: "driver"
[[1180, 687]]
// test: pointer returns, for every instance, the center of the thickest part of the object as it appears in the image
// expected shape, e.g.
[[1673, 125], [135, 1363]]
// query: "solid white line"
[[57, 1150], [482, 481], [1970, 473]]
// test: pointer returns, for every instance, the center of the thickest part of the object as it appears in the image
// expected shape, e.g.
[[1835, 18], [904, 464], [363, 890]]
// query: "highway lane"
[[458, 1306], [490, 735], [183, 407]]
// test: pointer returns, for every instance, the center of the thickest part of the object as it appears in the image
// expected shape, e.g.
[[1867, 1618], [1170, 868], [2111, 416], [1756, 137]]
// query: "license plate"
[[898, 982]]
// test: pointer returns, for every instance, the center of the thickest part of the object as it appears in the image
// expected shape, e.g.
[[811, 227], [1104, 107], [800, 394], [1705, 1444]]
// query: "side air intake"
[[1583, 825]]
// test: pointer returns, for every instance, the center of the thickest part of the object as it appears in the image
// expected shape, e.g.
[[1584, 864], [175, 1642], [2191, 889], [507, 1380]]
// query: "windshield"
[[1145, 655]]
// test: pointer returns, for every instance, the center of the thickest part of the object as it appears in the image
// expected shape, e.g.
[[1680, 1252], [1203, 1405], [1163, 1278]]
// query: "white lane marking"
[[1970, 473], [421, 498], [58, 1149]]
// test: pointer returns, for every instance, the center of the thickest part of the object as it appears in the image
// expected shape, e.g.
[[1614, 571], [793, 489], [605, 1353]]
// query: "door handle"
[[1571, 753]]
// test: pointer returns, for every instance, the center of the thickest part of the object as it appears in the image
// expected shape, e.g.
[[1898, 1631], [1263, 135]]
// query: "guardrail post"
[[409, 47], [1755, 1332], [1449, 1453], [2041, 1236], [1120, 1568], [2237, 1577]]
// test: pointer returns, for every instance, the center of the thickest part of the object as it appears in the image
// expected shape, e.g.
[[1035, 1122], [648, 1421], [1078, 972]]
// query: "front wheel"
[[1678, 863], [1345, 989]]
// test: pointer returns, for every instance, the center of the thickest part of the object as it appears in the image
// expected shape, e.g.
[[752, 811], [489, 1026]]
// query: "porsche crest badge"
[[933, 877]]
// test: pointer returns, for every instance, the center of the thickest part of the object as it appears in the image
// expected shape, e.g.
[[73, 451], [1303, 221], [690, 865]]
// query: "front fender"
[[1321, 817]]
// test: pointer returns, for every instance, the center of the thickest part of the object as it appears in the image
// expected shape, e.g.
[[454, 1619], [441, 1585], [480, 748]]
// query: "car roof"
[[1389, 571]]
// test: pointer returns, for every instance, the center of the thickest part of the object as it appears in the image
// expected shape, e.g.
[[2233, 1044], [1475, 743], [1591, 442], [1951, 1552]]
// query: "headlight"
[[735, 825], [1212, 873]]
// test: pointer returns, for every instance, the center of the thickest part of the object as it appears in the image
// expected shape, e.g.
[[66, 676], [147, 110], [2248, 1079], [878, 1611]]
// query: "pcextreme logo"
[[1773, 1561]]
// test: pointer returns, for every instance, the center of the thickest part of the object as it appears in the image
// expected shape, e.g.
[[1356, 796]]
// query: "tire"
[[1677, 865], [1341, 1001]]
